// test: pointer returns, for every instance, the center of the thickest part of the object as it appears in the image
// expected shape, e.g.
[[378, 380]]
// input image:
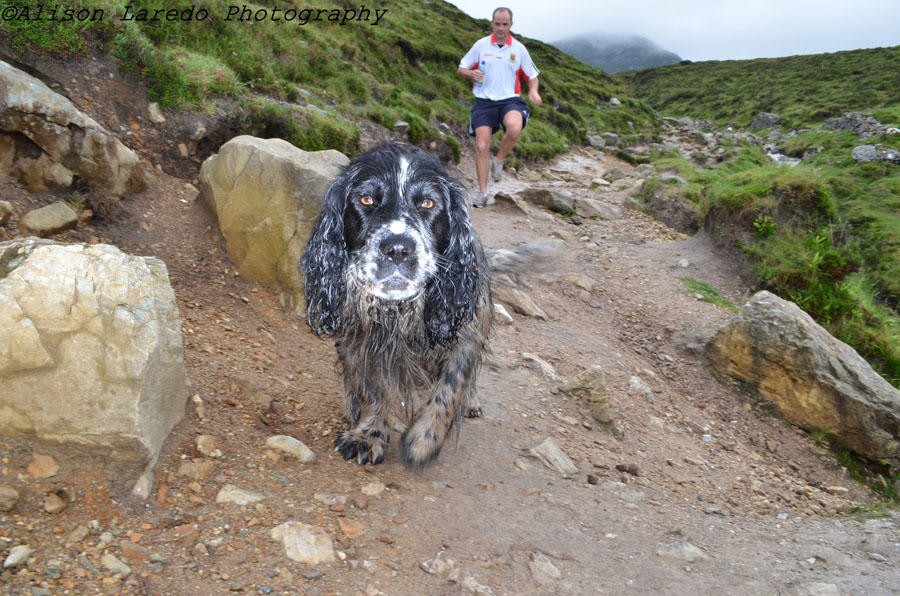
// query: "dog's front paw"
[[474, 412], [419, 446], [365, 449]]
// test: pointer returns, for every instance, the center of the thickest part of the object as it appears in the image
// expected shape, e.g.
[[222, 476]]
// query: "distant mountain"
[[615, 52]]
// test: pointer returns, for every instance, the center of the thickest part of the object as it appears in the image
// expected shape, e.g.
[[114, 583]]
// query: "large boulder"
[[815, 380], [91, 351], [45, 141], [267, 194]]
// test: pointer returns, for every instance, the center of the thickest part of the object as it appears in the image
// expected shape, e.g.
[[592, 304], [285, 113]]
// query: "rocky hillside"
[[616, 52]]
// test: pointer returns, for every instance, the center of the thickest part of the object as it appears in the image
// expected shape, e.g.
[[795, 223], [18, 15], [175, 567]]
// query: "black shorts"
[[491, 113]]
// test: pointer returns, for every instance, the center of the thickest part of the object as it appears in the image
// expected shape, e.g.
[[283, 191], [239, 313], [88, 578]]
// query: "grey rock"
[[872, 153], [765, 120], [674, 179], [112, 564], [611, 138], [17, 555], [596, 141], [551, 199], [543, 570], [401, 127], [542, 366], [237, 496], [594, 209], [554, 458], [814, 589], [682, 552], [862, 125]]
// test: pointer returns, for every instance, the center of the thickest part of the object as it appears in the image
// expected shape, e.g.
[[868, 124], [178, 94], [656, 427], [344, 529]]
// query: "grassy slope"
[[803, 90], [825, 234], [404, 68]]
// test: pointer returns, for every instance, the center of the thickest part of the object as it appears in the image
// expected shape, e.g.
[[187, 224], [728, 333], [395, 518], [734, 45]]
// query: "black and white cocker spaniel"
[[394, 271]]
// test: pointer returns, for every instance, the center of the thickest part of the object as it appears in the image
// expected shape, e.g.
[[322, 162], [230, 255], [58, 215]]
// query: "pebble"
[[56, 502], [440, 565], [42, 466], [554, 458], [502, 316], [237, 496], [682, 552], [8, 497], [17, 556], [114, 565], [543, 570], [197, 470], [292, 446], [207, 446], [304, 543], [373, 489]]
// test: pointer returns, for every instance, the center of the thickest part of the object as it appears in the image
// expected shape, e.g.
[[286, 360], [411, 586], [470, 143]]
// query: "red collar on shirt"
[[508, 39]]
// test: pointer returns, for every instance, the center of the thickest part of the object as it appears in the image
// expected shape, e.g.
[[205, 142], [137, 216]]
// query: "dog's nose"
[[397, 248]]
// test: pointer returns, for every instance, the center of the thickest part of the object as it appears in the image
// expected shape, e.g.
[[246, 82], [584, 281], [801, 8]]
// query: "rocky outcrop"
[[45, 141], [862, 125], [870, 153], [815, 380], [765, 120], [267, 194], [91, 350]]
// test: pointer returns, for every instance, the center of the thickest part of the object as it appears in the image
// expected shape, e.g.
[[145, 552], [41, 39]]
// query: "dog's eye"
[[426, 204], [367, 200]]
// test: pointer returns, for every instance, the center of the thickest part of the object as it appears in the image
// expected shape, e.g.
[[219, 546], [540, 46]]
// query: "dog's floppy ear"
[[450, 300], [325, 262]]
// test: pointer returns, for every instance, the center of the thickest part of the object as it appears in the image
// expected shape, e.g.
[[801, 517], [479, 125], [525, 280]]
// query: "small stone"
[[155, 113], [8, 497], [580, 280], [542, 569], [197, 470], [501, 315], [42, 466], [304, 543], [554, 458], [56, 502], [835, 490], [629, 469], [78, 534], [292, 446], [682, 552], [352, 529], [5, 211], [114, 565], [373, 489], [440, 566], [237, 496], [17, 556], [207, 446]]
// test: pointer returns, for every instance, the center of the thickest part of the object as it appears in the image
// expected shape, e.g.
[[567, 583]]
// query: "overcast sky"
[[712, 29]]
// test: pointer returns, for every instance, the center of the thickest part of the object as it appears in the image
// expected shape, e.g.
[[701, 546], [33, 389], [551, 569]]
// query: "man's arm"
[[533, 94], [468, 73]]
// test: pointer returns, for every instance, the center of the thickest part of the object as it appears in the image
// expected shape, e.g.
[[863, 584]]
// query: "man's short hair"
[[501, 9]]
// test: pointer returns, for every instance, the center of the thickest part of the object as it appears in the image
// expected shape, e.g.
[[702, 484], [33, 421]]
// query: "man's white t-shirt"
[[501, 66]]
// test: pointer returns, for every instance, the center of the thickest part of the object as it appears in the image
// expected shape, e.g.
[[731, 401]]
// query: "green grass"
[[404, 68], [803, 90], [709, 293], [824, 234]]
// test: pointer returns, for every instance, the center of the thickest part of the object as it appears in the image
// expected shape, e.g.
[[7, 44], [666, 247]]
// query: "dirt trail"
[[703, 492], [704, 466]]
